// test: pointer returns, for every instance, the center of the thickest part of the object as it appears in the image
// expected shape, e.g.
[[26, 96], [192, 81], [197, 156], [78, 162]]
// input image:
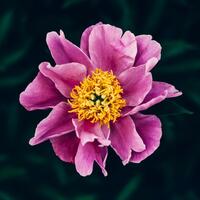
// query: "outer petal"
[[85, 38], [159, 87], [65, 146], [40, 94], [88, 132], [149, 129], [124, 138], [158, 93], [110, 50], [148, 49], [57, 123], [86, 155], [64, 76], [136, 84], [63, 51]]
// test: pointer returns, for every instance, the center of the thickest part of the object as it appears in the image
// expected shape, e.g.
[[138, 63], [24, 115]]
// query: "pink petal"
[[57, 123], [147, 49], [65, 146], [151, 63], [88, 132], [85, 38], [159, 92], [136, 84], [40, 94], [63, 51], [109, 50], [65, 76], [124, 138], [86, 155], [160, 87], [149, 129]]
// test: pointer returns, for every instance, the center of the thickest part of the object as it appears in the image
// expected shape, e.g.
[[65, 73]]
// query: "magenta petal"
[[86, 155], [159, 87], [136, 84], [40, 94], [100, 44], [85, 38], [63, 51], [109, 50], [65, 76], [159, 92], [149, 129], [147, 49], [65, 146], [57, 123], [88, 132], [124, 138], [150, 63]]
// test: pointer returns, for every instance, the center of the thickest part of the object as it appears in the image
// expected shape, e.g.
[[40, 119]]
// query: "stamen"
[[98, 98]]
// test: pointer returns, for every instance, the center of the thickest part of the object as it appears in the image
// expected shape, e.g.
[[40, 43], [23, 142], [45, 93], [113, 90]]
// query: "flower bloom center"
[[98, 98]]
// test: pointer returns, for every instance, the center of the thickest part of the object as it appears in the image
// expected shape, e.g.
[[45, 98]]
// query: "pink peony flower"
[[97, 93]]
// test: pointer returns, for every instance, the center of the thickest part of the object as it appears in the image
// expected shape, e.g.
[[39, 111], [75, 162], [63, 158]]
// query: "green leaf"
[[194, 96], [11, 172], [183, 66], [86, 197], [51, 193], [5, 24], [15, 80], [155, 15], [3, 157], [5, 196], [68, 3], [60, 173], [175, 48], [129, 189], [12, 58], [12, 120], [35, 159], [191, 195], [169, 108], [126, 14]]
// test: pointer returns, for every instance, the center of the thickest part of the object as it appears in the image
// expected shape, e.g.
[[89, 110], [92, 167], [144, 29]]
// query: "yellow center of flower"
[[98, 98]]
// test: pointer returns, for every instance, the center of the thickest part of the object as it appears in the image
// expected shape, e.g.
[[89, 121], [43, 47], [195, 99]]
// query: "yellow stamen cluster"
[[98, 98]]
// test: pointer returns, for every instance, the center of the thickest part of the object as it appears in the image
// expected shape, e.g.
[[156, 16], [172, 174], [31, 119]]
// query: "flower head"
[[97, 93]]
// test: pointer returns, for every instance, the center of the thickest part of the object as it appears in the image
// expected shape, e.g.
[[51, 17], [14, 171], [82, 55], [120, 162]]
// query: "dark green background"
[[171, 173]]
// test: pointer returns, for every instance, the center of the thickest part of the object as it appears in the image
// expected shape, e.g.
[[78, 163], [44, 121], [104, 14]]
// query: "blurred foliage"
[[172, 173]]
